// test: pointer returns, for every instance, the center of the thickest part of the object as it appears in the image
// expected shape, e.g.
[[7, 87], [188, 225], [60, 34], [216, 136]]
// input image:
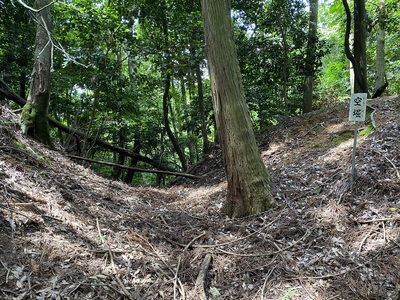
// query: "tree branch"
[[36, 10], [134, 168]]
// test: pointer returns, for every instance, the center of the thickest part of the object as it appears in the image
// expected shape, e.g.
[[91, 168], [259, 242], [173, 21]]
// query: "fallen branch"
[[134, 168], [106, 246], [394, 166], [199, 286], [122, 286], [364, 239]]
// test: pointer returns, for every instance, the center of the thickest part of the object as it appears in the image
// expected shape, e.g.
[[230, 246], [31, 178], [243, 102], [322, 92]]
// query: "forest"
[[110, 61], [199, 149]]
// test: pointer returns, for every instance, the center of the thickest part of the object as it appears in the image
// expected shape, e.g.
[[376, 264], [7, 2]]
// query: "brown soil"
[[66, 233]]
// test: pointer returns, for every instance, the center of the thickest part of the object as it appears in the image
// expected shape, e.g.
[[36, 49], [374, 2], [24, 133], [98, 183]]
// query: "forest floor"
[[67, 233]]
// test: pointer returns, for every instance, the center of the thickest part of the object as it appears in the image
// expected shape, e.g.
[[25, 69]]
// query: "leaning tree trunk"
[[249, 190], [34, 114]]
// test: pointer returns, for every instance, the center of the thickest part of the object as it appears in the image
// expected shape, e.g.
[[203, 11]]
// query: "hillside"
[[66, 233]]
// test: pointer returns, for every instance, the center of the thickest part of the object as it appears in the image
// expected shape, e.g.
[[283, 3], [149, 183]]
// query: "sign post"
[[357, 111]]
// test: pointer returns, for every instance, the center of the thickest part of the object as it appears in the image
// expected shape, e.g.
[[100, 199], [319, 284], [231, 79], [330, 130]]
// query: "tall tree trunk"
[[136, 148], [187, 119], [85, 147], [34, 114], [200, 95], [170, 134], [285, 71], [360, 44], [380, 47], [121, 156], [249, 190], [310, 59], [359, 59], [166, 95]]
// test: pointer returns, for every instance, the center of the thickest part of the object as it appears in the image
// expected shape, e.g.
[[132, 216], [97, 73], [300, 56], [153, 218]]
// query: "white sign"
[[358, 106]]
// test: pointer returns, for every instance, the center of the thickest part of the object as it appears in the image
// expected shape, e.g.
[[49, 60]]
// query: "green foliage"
[[113, 56], [367, 130], [288, 294], [17, 34], [272, 39]]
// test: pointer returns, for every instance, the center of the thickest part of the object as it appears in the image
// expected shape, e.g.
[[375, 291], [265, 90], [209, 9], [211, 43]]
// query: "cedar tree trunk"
[[249, 190]]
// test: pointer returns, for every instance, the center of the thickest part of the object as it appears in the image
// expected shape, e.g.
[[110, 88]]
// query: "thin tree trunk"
[[380, 47], [166, 95], [136, 149], [189, 131], [85, 150], [311, 48], [285, 72], [167, 126], [200, 94]]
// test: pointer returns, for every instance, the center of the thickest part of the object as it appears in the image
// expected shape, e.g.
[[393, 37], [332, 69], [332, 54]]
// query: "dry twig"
[[199, 286], [364, 239], [179, 261], [122, 286]]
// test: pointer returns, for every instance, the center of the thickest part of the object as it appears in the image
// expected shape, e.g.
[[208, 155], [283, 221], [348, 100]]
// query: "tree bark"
[[310, 59], [360, 45], [249, 190], [380, 47], [136, 149], [34, 114], [359, 65]]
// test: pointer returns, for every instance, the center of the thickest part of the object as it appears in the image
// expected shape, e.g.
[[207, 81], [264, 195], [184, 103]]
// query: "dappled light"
[[212, 150]]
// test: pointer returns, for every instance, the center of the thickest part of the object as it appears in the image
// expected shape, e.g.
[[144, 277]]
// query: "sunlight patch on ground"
[[341, 152], [335, 128]]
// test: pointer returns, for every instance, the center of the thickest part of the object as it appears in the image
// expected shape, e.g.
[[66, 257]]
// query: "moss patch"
[[342, 137], [367, 130]]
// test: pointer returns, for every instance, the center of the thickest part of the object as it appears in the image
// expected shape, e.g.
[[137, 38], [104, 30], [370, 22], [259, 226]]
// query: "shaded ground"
[[66, 233]]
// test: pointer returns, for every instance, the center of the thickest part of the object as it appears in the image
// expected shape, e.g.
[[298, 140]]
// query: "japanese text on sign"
[[358, 105]]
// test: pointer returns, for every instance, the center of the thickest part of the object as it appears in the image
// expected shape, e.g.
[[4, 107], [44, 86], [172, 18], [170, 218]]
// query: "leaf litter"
[[67, 233]]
